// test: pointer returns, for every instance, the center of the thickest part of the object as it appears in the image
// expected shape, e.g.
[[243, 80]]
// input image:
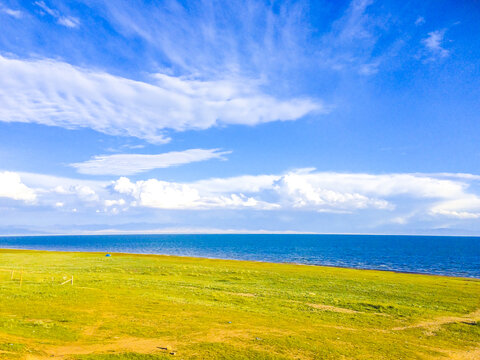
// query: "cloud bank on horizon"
[[395, 199], [352, 116]]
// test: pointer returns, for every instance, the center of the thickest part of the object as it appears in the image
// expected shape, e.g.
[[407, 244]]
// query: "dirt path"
[[333, 308], [473, 354], [436, 323], [166, 346], [130, 344]]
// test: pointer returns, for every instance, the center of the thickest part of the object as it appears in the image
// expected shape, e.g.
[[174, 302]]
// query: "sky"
[[240, 117]]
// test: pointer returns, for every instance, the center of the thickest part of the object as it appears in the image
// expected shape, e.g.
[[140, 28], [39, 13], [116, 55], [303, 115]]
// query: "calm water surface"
[[442, 255]]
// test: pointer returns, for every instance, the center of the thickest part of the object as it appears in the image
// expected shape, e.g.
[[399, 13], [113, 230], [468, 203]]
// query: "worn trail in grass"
[[152, 307]]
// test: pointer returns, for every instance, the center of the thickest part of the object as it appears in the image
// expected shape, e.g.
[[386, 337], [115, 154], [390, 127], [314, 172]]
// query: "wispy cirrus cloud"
[[128, 164], [434, 44], [12, 12], [34, 92], [350, 43], [274, 41], [420, 21], [209, 38], [68, 21], [219, 71]]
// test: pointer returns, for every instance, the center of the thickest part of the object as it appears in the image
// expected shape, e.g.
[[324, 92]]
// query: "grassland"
[[160, 307]]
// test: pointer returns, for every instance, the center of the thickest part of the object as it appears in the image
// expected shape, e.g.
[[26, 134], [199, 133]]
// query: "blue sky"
[[240, 116]]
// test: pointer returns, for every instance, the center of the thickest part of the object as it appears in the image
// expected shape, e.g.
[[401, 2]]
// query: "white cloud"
[[68, 21], [368, 69], [420, 21], [403, 198], [302, 189], [456, 214], [53, 190], [124, 186], [35, 91], [307, 191], [44, 7], [11, 186], [85, 193], [169, 195], [138, 146], [385, 185], [80, 190], [466, 207], [325, 191], [162, 194], [353, 25], [119, 202], [13, 13], [351, 42], [206, 39], [57, 184], [127, 164], [434, 43], [243, 184], [60, 190]]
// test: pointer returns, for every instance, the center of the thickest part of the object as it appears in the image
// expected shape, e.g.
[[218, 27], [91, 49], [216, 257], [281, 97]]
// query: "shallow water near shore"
[[440, 255]]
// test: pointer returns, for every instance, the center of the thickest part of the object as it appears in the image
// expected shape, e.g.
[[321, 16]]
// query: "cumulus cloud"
[[302, 190], [402, 197], [434, 43], [329, 191], [119, 202], [466, 207], [310, 191], [82, 191], [35, 92], [85, 193], [383, 185], [68, 21], [11, 186], [244, 184], [65, 193], [127, 164], [170, 195]]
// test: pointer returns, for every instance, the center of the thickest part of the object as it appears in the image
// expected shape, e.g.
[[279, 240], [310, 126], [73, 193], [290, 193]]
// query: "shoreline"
[[472, 278]]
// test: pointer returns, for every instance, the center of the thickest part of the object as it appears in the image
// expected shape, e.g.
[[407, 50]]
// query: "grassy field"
[[161, 307]]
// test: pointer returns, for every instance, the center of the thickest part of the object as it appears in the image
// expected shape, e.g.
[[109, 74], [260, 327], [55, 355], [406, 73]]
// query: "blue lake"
[[442, 255]]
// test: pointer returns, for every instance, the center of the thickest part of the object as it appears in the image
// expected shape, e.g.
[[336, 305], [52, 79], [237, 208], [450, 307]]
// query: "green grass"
[[132, 306]]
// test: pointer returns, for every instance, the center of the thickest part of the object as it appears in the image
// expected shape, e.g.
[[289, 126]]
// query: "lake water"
[[442, 255]]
